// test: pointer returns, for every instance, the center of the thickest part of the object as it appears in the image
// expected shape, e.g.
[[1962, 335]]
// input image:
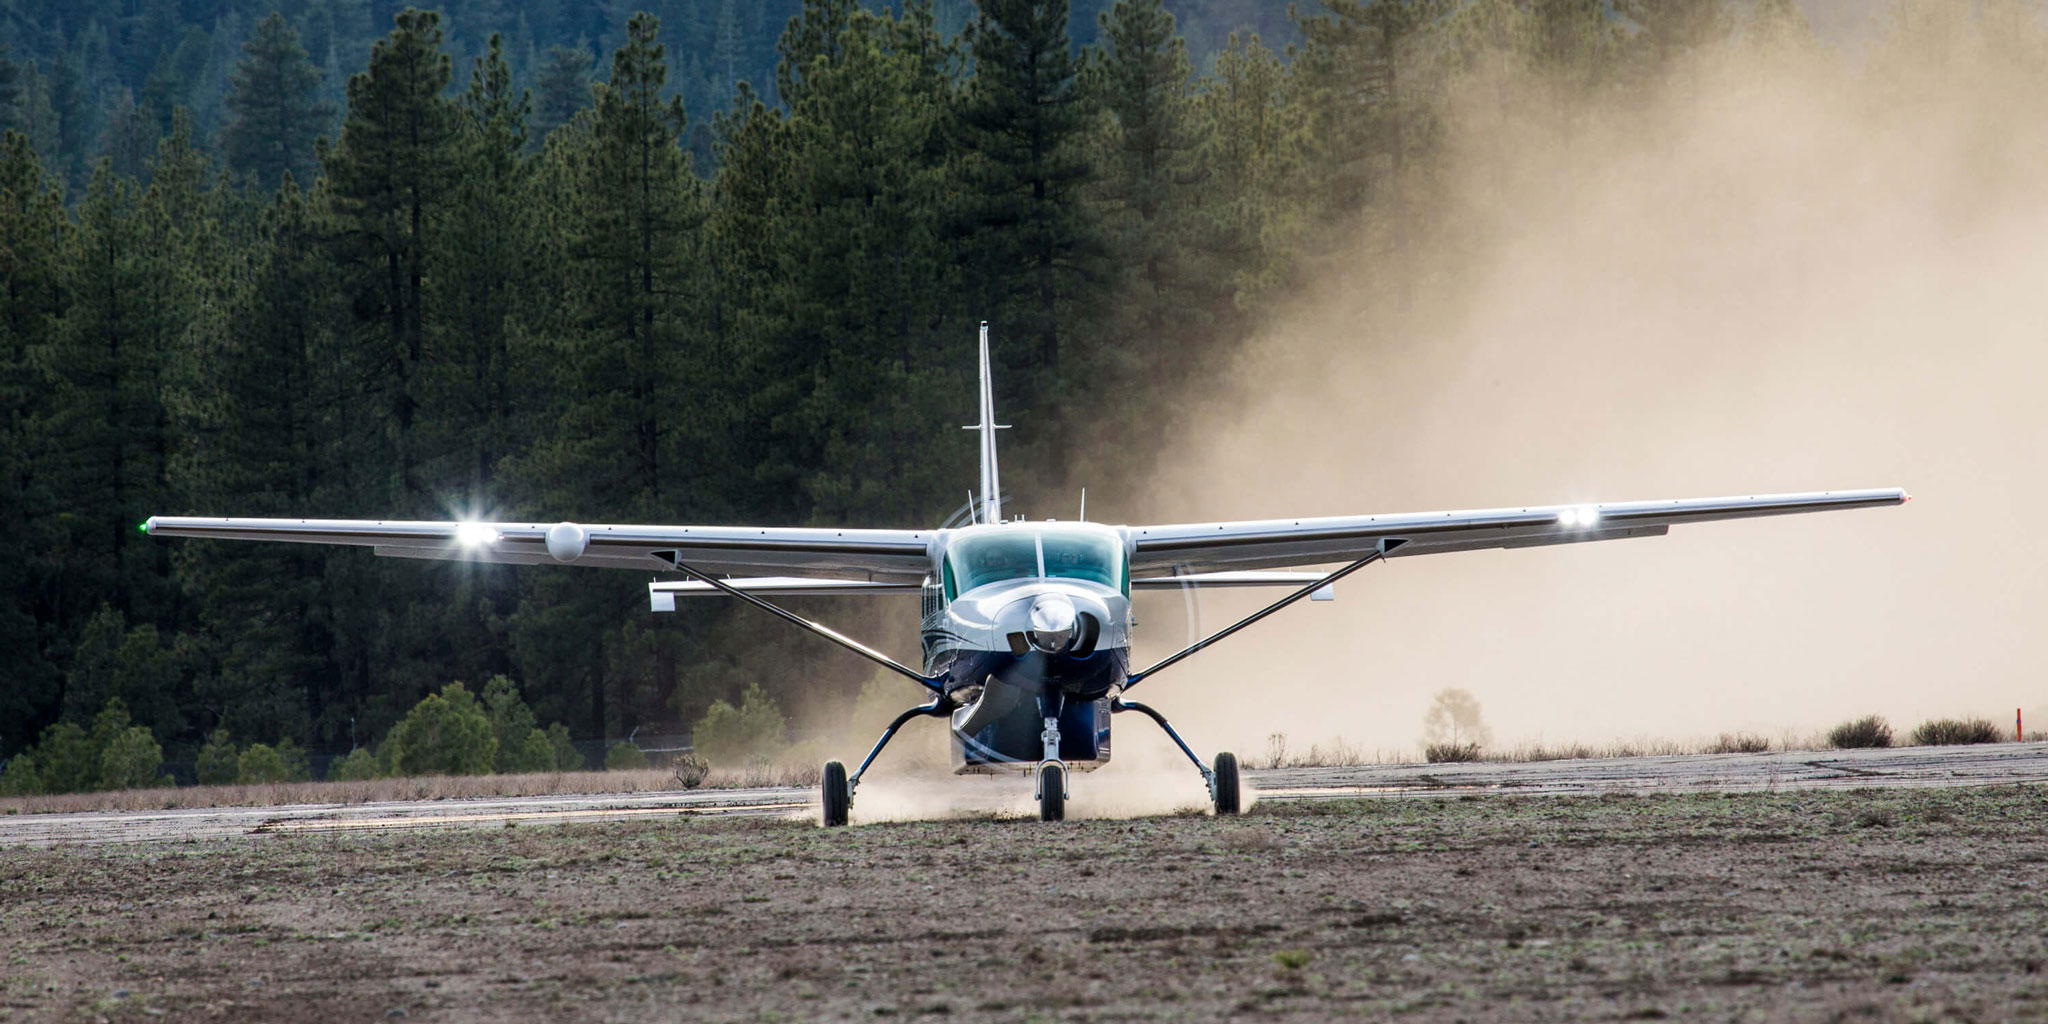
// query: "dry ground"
[[1922, 904]]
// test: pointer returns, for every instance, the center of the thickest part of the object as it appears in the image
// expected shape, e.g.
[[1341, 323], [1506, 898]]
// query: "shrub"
[[448, 733], [623, 757], [1868, 731], [691, 771], [1943, 732], [1740, 743], [260, 763], [358, 766], [216, 765], [1443, 753], [131, 760], [511, 721], [66, 759], [529, 753], [567, 757], [728, 735], [21, 777]]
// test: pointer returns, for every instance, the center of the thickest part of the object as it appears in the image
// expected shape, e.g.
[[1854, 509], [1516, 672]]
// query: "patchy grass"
[[1886, 905]]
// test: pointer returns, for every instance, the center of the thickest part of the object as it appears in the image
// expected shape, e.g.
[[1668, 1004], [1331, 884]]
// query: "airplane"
[[1027, 626]]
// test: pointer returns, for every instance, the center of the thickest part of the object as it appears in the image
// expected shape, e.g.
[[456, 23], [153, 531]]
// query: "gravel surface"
[[1906, 904]]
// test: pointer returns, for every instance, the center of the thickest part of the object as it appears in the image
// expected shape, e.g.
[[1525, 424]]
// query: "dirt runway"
[[1911, 903], [1989, 764]]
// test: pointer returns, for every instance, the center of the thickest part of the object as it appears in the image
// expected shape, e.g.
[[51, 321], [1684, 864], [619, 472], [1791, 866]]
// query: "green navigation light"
[[143, 526]]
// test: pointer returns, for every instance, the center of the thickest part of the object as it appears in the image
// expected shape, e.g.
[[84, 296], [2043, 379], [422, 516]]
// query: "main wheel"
[[1052, 793], [1226, 783], [837, 800]]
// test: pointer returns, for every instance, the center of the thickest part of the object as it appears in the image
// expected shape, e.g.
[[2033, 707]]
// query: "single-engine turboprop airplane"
[[1027, 625]]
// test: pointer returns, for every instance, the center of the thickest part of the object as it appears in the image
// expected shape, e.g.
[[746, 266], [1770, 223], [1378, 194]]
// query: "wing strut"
[[1385, 548], [928, 682]]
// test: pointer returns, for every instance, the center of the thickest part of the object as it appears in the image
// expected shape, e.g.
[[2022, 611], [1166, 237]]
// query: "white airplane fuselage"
[[1027, 621]]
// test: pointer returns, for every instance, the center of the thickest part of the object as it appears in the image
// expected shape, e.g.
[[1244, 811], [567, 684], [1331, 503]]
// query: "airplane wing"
[[1274, 543], [879, 555]]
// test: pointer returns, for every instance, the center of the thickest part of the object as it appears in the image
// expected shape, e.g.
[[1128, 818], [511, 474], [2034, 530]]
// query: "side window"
[[952, 589]]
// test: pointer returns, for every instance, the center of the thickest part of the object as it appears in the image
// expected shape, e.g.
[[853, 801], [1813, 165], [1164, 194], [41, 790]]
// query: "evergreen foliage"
[[729, 735], [447, 733], [273, 110], [710, 262]]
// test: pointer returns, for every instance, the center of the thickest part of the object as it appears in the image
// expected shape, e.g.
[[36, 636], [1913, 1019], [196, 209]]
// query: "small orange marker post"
[[2018, 735]]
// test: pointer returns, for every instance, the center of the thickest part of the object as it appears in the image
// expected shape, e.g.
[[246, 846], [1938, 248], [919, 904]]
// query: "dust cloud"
[[1800, 270]]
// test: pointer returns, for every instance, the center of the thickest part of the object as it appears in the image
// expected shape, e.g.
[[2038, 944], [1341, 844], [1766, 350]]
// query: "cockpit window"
[[1084, 556], [992, 557], [1011, 554]]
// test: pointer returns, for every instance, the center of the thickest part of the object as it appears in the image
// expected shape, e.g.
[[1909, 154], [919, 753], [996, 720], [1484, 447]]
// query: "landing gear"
[[1052, 772], [1222, 779], [1223, 784], [1052, 791], [838, 795], [839, 786]]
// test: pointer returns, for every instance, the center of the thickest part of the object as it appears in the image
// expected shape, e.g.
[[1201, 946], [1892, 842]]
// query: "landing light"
[[1579, 516], [475, 535]]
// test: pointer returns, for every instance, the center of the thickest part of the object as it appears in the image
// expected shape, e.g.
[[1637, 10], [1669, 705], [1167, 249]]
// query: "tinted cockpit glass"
[[1084, 556], [992, 557]]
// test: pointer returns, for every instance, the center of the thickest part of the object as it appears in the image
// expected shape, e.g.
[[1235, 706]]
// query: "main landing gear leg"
[[1222, 779], [838, 787]]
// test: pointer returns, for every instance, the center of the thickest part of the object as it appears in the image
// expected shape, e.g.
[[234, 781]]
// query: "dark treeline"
[[95, 77], [455, 290]]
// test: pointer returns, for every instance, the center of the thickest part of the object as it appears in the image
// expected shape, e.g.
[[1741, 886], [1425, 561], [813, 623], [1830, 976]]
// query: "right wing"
[[1276, 543], [879, 555]]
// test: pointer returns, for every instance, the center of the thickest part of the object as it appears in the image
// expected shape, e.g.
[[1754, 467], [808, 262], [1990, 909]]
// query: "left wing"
[[882, 555], [1272, 543]]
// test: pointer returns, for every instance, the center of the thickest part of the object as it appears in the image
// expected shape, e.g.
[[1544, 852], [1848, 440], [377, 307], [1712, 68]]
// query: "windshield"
[[992, 557], [1084, 556], [981, 559]]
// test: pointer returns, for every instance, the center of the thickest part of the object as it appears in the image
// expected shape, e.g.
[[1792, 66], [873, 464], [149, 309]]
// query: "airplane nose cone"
[[1052, 623]]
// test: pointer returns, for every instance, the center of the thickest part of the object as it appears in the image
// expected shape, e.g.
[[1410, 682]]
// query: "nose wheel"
[[1052, 791]]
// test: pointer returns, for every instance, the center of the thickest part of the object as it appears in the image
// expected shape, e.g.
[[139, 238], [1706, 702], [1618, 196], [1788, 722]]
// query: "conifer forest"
[[712, 262]]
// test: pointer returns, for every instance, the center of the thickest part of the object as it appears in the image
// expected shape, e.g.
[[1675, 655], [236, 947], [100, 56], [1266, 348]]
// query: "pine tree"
[[389, 176], [109, 441], [628, 443], [1035, 252], [869, 326], [258, 441], [129, 139], [1153, 174], [273, 108], [33, 244], [563, 88]]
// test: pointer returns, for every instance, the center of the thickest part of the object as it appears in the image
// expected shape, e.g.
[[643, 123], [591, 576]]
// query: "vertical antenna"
[[1084, 504]]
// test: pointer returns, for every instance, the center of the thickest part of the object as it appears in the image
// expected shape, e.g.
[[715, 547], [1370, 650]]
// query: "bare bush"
[[1944, 732], [1739, 743], [691, 771], [1868, 731], [1444, 753]]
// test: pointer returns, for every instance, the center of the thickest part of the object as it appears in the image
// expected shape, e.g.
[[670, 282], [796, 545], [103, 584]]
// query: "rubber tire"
[[837, 801], [1052, 793], [1227, 801]]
